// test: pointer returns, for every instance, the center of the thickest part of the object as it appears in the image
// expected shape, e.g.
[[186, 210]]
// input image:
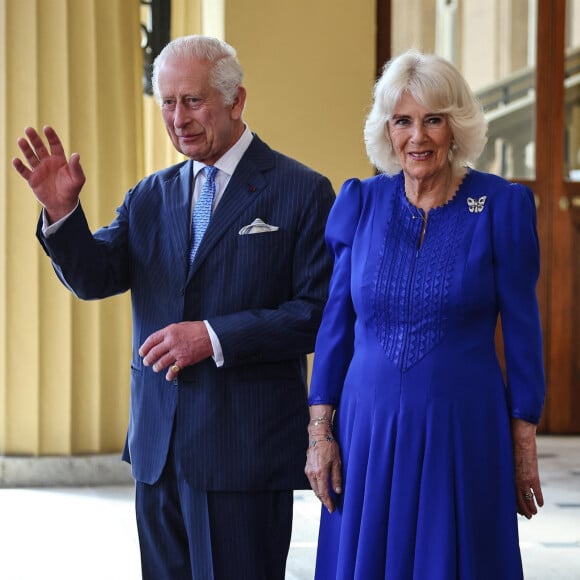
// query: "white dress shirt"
[[226, 165]]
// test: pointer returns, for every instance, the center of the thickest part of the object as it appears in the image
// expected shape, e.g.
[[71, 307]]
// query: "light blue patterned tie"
[[202, 211]]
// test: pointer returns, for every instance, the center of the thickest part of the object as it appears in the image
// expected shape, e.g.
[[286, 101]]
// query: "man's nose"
[[181, 117]]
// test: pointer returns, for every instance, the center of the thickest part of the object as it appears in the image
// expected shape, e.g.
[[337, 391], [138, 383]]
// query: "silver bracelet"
[[323, 419], [328, 438]]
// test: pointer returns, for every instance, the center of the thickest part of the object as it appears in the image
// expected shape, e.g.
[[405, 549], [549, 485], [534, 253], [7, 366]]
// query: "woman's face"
[[421, 139]]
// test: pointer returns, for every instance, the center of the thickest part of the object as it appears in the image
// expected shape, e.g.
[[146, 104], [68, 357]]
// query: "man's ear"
[[239, 103]]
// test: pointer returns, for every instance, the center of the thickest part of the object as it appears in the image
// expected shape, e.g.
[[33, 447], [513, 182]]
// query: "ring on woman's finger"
[[528, 496], [175, 368]]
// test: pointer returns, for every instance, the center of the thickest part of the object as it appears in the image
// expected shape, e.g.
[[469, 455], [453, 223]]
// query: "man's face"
[[199, 124]]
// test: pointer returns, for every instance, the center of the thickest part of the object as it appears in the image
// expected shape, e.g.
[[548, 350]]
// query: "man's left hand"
[[176, 346]]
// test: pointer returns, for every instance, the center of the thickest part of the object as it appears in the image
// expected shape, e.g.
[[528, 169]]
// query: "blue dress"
[[406, 354]]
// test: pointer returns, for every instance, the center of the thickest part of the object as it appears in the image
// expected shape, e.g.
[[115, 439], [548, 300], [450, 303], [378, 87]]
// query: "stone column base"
[[62, 471]]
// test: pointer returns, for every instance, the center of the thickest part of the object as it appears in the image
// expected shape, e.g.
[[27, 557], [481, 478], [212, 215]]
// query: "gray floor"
[[89, 533]]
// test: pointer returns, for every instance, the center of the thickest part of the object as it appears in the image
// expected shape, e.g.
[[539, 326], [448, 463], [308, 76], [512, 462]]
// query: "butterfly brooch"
[[476, 205]]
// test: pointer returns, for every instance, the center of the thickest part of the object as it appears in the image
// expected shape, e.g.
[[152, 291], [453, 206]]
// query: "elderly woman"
[[419, 450]]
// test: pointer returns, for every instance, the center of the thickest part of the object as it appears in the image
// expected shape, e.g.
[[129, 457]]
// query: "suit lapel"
[[245, 185], [177, 201]]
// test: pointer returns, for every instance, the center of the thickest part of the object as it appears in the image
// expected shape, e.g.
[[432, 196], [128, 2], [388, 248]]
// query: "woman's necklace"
[[418, 214], [422, 214]]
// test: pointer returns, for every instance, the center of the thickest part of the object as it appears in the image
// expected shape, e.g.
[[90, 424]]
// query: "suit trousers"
[[188, 534]]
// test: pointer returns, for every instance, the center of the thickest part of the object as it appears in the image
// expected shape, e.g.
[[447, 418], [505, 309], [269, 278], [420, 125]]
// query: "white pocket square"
[[258, 226]]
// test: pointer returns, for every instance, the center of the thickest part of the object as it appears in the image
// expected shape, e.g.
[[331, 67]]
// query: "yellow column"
[[309, 70], [76, 64], [64, 364]]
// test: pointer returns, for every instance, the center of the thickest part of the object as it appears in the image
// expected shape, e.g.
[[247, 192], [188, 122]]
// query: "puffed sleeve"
[[517, 268], [335, 339]]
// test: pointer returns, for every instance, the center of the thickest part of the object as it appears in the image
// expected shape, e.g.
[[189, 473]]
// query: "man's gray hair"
[[226, 73]]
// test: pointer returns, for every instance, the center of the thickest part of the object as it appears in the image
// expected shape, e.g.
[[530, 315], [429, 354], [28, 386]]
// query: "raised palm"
[[55, 181]]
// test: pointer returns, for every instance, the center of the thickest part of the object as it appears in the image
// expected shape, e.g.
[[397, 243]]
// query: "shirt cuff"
[[218, 355], [48, 229]]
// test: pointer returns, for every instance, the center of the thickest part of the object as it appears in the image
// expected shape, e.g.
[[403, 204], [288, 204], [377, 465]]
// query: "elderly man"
[[225, 260]]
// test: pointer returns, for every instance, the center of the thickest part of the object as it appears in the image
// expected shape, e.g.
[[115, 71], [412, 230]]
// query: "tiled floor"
[[88, 533], [550, 542]]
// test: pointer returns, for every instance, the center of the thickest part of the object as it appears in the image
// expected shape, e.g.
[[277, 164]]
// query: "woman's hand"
[[527, 477], [323, 465]]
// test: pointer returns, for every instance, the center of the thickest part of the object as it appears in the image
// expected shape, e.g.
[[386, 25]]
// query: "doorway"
[[522, 58]]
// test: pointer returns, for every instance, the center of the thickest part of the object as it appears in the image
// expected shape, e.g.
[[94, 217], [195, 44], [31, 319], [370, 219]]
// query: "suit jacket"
[[242, 426]]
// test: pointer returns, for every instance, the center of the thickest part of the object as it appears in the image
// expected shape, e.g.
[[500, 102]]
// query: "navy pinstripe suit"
[[241, 427]]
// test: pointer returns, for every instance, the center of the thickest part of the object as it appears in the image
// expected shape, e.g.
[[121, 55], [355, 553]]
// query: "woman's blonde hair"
[[437, 86]]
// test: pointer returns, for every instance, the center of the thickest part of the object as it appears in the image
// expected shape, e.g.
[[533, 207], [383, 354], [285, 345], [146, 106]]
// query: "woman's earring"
[[451, 151]]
